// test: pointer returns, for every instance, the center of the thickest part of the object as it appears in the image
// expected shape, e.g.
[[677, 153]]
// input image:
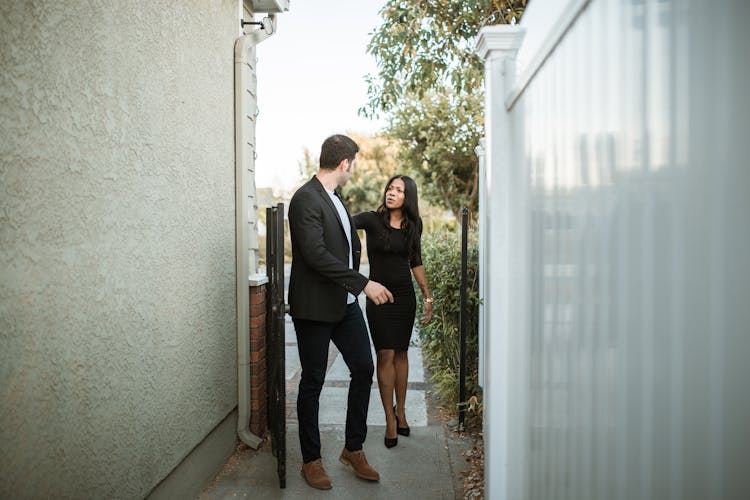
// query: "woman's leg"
[[386, 381], [401, 365]]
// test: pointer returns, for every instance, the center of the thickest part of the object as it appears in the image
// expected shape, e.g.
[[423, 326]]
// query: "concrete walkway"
[[425, 465]]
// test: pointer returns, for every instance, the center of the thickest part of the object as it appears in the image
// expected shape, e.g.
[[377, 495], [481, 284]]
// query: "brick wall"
[[258, 405]]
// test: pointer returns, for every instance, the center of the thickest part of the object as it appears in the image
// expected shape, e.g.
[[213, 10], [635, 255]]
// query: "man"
[[323, 286]]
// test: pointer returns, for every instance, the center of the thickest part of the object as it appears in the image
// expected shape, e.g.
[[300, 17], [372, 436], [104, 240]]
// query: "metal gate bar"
[[463, 318], [275, 336]]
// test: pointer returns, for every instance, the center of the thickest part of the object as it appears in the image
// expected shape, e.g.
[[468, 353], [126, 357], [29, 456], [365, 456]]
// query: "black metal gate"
[[275, 336]]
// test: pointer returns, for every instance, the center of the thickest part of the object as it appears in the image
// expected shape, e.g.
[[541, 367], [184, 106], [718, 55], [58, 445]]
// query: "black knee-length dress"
[[391, 261]]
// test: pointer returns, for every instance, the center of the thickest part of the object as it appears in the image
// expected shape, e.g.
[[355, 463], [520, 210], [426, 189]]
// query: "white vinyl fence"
[[615, 251]]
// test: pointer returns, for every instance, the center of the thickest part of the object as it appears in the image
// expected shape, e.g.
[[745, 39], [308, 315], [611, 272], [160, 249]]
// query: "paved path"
[[336, 386], [425, 465]]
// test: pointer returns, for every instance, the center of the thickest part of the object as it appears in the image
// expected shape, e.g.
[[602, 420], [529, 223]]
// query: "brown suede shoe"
[[315, 475], [359, 463]]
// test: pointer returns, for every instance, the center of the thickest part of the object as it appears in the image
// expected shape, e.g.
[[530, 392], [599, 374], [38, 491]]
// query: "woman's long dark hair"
[[411, 224]]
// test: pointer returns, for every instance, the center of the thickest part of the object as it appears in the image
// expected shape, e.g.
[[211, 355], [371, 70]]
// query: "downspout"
[[245, 112]]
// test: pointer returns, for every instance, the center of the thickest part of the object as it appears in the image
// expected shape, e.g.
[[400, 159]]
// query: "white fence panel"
[[623, 141]]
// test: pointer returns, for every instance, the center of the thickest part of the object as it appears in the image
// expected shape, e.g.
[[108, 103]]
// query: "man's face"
[[347, 171]]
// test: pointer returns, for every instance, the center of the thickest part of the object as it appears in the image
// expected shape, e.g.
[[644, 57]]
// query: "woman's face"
[[394, 195]]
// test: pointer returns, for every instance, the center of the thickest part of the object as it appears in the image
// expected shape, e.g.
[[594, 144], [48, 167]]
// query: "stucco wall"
[[117, 295]]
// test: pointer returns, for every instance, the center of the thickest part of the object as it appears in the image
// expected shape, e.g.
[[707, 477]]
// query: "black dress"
[[391, 262]]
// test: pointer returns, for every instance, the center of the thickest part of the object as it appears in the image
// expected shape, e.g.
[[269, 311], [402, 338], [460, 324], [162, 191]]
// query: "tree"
[[429, 86], [438, 134]]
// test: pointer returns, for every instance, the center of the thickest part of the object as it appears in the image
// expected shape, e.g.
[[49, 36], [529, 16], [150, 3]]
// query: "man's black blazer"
[[321, 277]]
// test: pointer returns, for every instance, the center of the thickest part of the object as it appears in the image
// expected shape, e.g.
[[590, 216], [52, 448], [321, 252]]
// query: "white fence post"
[[479, 151], [498, 46]]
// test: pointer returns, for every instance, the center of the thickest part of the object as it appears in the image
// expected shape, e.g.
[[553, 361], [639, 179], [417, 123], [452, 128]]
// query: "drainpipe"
[[245, 112]]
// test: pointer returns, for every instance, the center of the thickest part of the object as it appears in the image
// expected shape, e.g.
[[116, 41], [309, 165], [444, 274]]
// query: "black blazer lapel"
[[356, 244]]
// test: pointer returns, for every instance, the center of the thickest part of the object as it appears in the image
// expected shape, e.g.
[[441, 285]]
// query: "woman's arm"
[[362, 220], [421, 278]]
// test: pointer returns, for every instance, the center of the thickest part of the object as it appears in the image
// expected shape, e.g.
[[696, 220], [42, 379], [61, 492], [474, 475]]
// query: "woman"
[[393, 248]]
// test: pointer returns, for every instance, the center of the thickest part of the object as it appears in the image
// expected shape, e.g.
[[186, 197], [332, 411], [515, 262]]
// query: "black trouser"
[[350, 337]]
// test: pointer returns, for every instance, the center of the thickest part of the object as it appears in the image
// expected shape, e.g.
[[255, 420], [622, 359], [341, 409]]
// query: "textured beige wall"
[[117, 294]]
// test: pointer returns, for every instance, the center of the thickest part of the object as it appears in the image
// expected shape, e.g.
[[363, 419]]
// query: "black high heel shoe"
[[390, 442], [404, 431]]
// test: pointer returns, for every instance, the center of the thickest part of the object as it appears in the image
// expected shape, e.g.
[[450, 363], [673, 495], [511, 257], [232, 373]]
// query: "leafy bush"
[[440, 339]]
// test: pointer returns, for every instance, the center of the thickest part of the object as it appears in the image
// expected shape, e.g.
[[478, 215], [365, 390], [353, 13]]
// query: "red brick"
[[257, 372], [258, 333], [258, 309], [257, 344], [258, 424], [258, 322], [257, 294]]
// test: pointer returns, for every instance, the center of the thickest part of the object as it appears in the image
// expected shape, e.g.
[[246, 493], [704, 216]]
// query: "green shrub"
[[440, 339]]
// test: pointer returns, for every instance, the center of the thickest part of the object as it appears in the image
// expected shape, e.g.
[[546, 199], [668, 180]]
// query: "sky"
[[311, 82]]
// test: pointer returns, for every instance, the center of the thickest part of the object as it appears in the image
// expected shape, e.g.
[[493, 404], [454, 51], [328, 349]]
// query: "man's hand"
[[378, 293]]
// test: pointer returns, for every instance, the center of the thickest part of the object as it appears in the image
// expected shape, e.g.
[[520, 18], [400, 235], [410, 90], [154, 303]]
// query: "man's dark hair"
[[335, 149]]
